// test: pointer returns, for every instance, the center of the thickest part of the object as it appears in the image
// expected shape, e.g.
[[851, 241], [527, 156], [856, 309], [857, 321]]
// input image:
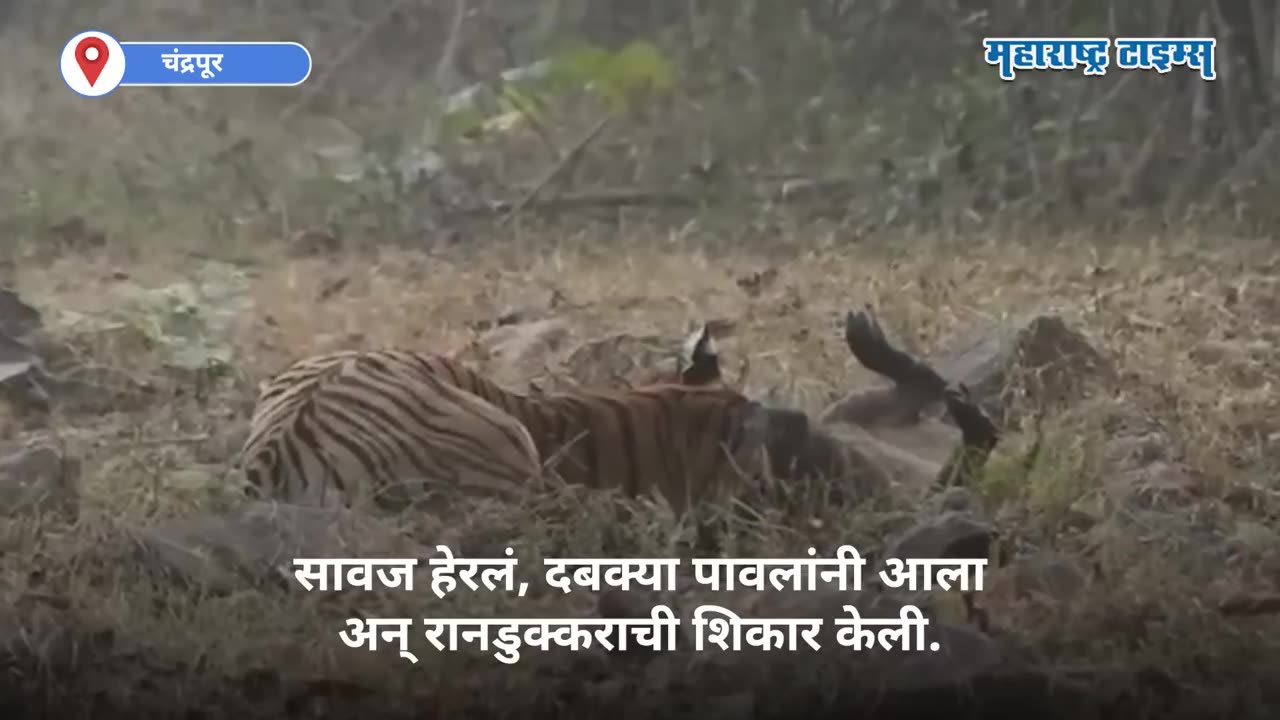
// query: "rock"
[[96, 390], [17, 318], [616, 603], [730, 706], [958, 499], [1211, 352], [74, 235], [39, 479], [1216, 352], [949, 535], [313, 242], [23, 379], [257, 543], [1255, 538], [15, 352], [963, 652], [968, 672], [1051, 359], [79, 336], [953, 654], [223, 444], [40, 631], [1046, 573]]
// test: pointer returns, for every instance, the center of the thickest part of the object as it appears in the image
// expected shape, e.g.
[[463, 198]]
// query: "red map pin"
[[91, 56]]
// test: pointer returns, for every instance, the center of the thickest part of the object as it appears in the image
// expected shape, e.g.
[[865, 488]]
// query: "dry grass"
[[1191, 322], [1154, 305]]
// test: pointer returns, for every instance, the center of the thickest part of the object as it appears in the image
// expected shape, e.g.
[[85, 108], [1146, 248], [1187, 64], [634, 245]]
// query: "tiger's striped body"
[[682, 442], [353, 420], [347, 427]]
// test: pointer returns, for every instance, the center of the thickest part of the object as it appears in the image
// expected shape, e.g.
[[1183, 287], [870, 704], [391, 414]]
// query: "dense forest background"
[[867, 113]]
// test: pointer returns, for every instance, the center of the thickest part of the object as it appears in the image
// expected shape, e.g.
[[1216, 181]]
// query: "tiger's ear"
[[700, 358]]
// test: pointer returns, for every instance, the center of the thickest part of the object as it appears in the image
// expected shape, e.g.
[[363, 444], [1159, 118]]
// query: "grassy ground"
[[176, 179], [1179, 316]]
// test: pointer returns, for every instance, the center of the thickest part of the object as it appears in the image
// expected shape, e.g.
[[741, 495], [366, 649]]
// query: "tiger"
[[346, 420], [682, 442], [626, 361], [348, 427], [794, 447]]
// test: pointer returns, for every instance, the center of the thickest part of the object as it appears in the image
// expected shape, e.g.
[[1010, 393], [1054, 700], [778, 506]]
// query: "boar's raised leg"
[[867, 342], [916, 386], [978, 437]]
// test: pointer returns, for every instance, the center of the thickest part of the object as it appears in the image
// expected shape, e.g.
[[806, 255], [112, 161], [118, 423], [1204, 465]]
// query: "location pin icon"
[[91, 56]]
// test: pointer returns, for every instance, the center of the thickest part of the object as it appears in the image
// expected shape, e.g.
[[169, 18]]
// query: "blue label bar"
[[223, 64]]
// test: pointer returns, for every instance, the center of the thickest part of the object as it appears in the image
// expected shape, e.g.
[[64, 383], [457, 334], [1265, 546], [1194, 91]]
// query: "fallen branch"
[[162, 442], [446, 66], [620, 197], [555, 171], [315, 86], [789, 191], [1250, 606]]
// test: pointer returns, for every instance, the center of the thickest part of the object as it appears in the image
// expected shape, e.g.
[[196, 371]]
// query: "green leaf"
[[190, 322], [641, 66], [465, 122], [620, 77], [525, 103], [579, 64]]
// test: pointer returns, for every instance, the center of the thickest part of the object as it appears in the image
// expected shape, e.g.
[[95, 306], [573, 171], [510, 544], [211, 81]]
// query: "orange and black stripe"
[[389, 421], [341, 427]]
